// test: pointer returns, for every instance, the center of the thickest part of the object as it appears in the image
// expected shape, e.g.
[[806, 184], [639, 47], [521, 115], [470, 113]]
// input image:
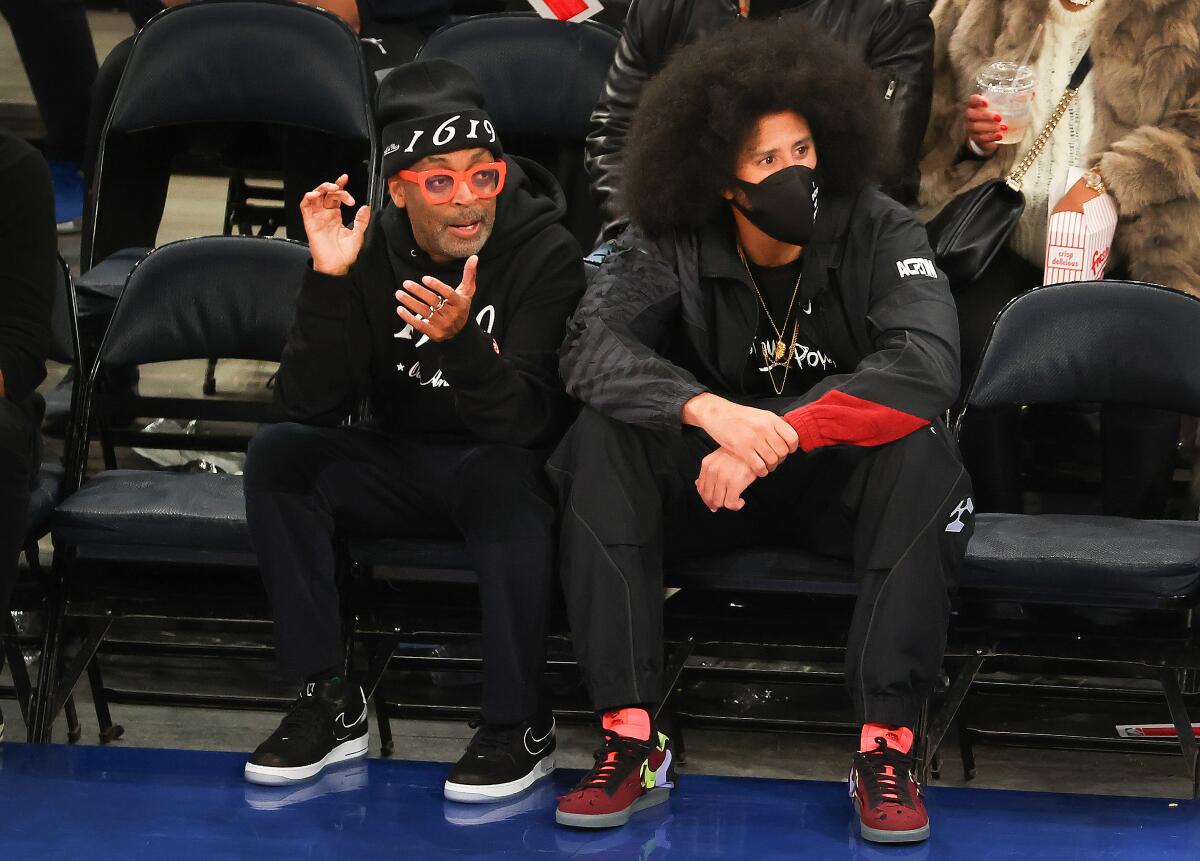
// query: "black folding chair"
[[158, 544], [217, 71], [540, 80], [1107, 342]]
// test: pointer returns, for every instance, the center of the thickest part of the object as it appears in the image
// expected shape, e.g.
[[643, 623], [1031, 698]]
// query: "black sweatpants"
[[899, 512], [20, 456], [304, 484], [55, 43]]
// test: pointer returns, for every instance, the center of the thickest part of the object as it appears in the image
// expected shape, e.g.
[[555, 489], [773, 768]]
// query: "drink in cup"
[[1008, 88]]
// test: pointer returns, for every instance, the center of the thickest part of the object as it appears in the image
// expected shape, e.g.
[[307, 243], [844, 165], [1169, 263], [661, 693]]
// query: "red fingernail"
[[999, 137], [1003, 128], [996, 117]]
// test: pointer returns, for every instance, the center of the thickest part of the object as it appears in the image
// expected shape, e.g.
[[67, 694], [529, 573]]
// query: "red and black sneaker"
[[888, 798], [629, 775]]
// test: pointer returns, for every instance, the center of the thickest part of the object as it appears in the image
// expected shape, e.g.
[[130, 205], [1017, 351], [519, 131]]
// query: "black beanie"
[[427, 107]]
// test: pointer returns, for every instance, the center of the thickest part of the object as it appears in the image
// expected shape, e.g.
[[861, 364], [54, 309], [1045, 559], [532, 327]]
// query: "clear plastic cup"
[[1008, 88]]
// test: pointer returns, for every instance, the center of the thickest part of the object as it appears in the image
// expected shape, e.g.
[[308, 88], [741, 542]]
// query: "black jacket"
[[664, 321], [894, 37], [496, 380]]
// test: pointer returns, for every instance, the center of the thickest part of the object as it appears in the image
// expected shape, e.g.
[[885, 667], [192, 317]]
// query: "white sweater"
[[1067, 35]]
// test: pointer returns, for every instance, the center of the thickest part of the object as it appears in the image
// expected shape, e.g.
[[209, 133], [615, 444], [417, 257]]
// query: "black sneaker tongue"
[[333, 694]]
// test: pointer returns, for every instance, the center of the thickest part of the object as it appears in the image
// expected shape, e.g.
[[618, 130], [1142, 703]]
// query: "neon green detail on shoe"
[[648, 776]]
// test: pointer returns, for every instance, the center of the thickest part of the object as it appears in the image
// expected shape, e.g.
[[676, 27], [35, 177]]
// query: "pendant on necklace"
[[779, 350]]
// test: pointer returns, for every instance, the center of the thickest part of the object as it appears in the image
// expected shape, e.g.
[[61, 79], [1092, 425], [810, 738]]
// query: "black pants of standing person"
[[1138, 444], [20, 457], [28, 247], [898, 512], [305, 484], [56, 48]]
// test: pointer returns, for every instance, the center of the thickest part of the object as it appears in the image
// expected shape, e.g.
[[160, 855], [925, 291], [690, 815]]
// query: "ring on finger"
[[439, 306]]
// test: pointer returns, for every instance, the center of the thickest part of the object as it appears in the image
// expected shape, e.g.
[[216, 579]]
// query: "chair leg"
[[386, 744], [42, 717], [966, 747], [944, 717], [210, 378], [1183, 726], [109, 731], [74, 730], [16, 663]]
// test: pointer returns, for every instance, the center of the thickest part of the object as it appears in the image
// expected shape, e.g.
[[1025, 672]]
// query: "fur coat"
[[1146, 141]]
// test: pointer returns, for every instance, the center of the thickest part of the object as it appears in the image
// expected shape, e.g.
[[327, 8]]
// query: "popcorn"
[[1079, 241]]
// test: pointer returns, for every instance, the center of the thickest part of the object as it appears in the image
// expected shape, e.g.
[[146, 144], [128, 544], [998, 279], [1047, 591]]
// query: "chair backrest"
[[541, 80], [1096, 341], [213, 297], [229, 65], [254, 61], [222, 297]]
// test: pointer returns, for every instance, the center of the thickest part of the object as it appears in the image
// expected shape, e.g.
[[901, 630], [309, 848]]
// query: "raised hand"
[[437, 309], [334, 247]]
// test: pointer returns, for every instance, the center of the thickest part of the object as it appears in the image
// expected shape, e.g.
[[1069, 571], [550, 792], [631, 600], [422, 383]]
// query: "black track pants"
[[304, 484], [20, 455], [898, 512]]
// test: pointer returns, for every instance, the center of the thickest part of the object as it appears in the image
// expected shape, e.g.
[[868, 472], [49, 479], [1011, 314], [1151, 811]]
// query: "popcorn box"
[[572, 11], [1078, 242]]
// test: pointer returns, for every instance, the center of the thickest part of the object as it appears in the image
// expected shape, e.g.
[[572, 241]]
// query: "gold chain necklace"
[[779, 345], [787, 366]]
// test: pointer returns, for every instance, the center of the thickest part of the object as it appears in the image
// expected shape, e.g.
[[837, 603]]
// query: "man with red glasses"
[[445, 311]]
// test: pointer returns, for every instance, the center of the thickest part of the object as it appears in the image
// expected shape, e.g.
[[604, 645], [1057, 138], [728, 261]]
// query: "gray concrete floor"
[[194, 208]]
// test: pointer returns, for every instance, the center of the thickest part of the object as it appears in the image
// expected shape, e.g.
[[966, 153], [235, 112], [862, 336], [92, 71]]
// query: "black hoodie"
[[496, 380]]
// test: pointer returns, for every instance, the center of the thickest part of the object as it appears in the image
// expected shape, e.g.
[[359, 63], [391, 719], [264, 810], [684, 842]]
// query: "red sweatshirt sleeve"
[[841, 419]]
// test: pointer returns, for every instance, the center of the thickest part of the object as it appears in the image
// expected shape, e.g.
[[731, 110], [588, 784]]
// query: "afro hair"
[[695, 118]]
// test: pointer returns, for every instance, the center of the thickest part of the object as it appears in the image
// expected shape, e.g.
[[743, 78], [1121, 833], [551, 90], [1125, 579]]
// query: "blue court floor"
[[128, 803]]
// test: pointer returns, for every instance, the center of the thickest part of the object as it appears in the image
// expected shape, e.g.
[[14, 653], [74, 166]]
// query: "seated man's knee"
[[283, 457], [505, 486]]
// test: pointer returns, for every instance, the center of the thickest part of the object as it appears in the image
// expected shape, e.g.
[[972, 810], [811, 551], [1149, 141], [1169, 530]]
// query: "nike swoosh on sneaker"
[[544, 741], [340, 723]]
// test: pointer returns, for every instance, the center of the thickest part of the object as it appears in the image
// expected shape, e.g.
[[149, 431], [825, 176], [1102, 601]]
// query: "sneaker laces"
[[614, 760], [886, 775], [306, 718], [491, 737]]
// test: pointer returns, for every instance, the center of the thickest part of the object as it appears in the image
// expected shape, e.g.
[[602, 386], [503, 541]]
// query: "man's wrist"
[[698, 410], [333, 270]]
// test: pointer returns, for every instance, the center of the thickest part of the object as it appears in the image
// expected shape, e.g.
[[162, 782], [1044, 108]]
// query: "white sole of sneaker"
[[265, 775], [876, 835], [612, 820], [467, 793]]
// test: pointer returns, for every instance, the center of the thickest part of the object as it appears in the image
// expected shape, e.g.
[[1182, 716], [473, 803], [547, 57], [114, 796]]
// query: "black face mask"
[[784, 205]]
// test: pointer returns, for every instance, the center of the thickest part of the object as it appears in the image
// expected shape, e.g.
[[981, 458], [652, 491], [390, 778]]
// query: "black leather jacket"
[[895, 37]]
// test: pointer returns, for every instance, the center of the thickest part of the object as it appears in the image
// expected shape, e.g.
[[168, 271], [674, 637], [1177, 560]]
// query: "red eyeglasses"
[[439, 185]]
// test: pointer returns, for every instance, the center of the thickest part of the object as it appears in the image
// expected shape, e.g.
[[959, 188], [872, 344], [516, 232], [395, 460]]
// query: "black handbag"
[[972, 228]]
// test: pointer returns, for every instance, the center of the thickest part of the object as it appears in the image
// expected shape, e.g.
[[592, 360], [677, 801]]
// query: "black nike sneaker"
[[327, 724], [502, 761]]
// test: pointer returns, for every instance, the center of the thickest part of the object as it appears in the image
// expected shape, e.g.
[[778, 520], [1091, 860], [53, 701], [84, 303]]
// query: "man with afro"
[[765, 358]]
